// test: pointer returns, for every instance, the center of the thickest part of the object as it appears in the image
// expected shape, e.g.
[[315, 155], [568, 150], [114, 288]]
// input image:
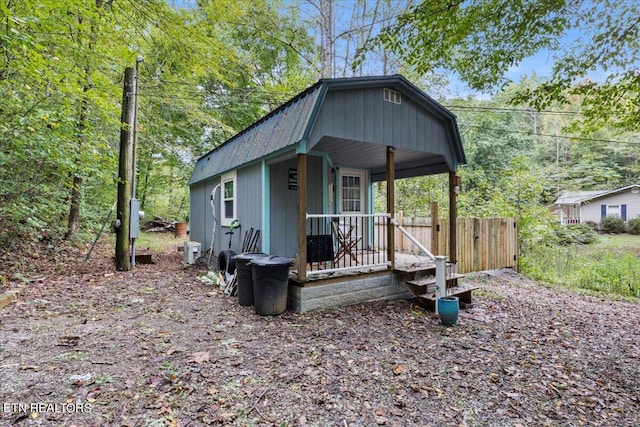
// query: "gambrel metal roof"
[[347, 118]]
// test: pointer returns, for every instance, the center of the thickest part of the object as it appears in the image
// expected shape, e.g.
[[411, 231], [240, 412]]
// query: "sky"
[[541, 64]]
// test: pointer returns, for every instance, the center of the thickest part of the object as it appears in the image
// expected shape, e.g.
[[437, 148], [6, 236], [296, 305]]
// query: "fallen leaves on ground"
[[156, 346]]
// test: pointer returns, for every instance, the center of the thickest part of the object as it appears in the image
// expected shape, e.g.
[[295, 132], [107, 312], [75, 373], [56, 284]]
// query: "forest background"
[[212, 67]]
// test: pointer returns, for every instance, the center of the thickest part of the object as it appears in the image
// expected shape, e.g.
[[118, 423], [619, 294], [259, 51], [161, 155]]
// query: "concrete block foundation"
[[347, 290]]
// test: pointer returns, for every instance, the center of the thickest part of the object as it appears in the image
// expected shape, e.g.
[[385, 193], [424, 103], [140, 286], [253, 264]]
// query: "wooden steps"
[[463, 292], [428, 284], [422, 282]]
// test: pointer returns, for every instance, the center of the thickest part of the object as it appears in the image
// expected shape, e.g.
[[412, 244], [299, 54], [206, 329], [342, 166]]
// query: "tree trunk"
[[125, 171], [76, 187], [74, 210], [326, 34]]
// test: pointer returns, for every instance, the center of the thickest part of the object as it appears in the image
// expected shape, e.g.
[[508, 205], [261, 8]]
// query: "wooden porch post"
[[302, 217], [391, 232], [454, 181], [435, 249]]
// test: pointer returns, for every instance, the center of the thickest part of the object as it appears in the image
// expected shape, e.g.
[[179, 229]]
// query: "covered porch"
[[356, 239], [350, 257]]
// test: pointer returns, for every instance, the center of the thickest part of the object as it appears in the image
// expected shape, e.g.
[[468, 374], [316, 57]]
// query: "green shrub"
[[592, 224], [633, 226], [574, 234], [582, 233], [612, 225], [611, 266]]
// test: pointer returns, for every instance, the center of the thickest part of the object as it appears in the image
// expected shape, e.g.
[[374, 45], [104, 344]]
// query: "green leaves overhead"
[[61, 68], [593, 46], [480, 39]]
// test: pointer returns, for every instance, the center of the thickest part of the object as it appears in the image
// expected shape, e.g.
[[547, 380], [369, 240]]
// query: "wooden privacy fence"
[[482, 243]]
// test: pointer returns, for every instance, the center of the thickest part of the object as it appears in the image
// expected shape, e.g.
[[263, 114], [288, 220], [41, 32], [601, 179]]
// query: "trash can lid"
[[272, 261], [248, 256]]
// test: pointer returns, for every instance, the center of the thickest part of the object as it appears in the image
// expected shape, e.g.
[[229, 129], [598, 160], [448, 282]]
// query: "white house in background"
[[583, 206]]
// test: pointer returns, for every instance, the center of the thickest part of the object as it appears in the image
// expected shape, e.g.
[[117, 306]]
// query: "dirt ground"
[[85, 345]]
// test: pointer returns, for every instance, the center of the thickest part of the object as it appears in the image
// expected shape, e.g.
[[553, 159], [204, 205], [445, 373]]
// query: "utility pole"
[[135, 211], [125, 171]]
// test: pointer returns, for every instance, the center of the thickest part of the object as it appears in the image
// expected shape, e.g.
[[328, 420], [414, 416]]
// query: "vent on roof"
[[391, 96]]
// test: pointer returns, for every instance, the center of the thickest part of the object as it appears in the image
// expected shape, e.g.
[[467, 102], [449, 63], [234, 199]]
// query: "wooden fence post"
[[435, 229], [454, 186]]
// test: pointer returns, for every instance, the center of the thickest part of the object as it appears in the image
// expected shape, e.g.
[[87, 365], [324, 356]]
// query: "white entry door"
[[352, 200], [352, 191]]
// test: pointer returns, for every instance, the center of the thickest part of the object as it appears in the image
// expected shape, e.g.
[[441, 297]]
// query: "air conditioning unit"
[[191, 252]]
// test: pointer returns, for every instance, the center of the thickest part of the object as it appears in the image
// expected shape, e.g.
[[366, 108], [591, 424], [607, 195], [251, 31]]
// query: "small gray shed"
[[320, 153]]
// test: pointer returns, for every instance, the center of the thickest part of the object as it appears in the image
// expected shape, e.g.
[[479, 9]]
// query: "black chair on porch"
[[319, 250]]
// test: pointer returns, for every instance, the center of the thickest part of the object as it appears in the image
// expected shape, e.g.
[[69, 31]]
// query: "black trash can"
[[245, 281], [270, 284]]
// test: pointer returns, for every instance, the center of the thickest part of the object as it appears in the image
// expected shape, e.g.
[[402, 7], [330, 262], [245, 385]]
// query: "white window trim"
[[611, 209], [231, 176], [392, 96]]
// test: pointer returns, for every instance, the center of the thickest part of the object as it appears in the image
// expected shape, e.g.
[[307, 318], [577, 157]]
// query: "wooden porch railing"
[[341, 242]]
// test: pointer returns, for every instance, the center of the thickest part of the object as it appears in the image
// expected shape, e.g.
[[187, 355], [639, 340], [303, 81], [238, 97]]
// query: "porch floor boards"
[[405, 263], [414, 273]]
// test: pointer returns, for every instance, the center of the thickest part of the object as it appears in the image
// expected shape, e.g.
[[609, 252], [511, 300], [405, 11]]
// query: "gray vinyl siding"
[[197, 211], [314, 185], [284, 210], [208, 216], [284, 203], [249, 181], [363, 115], [249, 206]]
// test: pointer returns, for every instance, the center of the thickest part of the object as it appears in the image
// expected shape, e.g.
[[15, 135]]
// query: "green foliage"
[[414, 195], [183, 115], [61, 68], [612, 225], [610, 273], [604, 267], [633, 226], [542, 262], [572, 234], [482, 40]]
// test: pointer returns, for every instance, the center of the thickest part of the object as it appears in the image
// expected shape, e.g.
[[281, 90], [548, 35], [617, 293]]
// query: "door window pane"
[[351, 193]]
